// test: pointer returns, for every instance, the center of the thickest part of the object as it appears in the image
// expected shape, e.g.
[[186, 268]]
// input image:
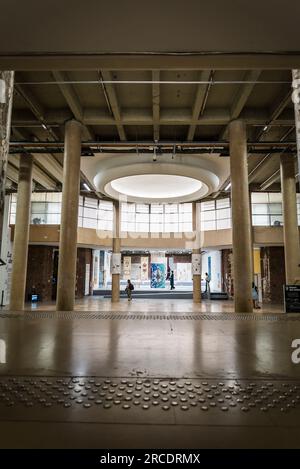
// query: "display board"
[[144, 268], [127, 267], [291, 298], [116, 263], [196, 264], [158, 275]]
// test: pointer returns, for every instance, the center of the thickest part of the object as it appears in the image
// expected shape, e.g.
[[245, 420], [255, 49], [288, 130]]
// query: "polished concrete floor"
[[148, 374]]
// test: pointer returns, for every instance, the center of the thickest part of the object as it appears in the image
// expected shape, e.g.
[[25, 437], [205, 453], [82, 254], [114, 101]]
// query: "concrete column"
[[116, 255], [290, 219], [241, 223], [21, 234], [196, 255], [69, 218], [6, 98]]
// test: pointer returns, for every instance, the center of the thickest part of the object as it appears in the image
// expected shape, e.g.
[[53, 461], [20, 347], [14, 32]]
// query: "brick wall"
[[272, 273], [41, 269]]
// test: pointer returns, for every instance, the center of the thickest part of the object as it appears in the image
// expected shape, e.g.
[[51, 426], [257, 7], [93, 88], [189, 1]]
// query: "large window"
[[156, 218], [215, 214], [266, 209]]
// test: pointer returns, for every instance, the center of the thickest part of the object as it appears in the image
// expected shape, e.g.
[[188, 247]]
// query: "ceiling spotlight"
[[44, 126], [228, 187], [265, 128], [86, 187]]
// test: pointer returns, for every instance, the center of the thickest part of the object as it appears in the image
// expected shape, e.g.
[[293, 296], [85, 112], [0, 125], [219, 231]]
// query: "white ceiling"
[[156, 186]]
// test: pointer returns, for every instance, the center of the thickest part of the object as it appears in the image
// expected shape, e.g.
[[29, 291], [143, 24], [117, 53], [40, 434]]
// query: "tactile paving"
[[145, 399], [153, 317]]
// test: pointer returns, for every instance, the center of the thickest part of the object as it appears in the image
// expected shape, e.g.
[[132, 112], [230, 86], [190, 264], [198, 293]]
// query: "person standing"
[[172, 287], [207, 283], [129, 290], [255, 296]]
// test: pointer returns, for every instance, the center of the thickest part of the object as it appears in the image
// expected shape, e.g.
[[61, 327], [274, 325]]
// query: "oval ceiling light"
[[156, 186]]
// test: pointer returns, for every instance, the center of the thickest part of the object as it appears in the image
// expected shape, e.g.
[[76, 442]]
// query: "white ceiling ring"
[[202, 175], [208, 181]]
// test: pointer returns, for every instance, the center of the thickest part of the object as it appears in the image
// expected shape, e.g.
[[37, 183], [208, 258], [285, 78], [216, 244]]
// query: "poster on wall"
[[196, 264], [158, 275], [127, 267], [144, 268], [116, 263]]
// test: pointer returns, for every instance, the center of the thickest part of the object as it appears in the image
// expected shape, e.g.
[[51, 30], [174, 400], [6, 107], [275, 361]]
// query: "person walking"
[[129, 288], [172, 287]]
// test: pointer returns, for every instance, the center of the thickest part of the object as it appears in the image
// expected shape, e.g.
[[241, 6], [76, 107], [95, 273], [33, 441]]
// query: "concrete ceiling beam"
[[198, 103]]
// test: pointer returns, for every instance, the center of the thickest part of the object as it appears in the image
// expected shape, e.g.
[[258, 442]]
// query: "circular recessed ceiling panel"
[[156, 186]]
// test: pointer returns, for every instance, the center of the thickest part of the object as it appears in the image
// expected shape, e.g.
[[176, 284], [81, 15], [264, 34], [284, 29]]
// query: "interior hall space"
[[149, 225]]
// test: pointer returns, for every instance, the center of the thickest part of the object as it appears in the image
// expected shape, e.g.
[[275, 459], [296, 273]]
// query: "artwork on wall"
[[126, 267], [144, 268], [158, 275]]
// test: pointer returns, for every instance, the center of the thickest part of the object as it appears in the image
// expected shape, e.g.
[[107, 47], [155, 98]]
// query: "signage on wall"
[[144, 268], [196, 264], [127, 266], [291, 298], [116, 263]]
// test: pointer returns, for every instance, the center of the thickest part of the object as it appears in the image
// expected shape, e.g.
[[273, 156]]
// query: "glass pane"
[[259, 197], [275, 209], [260, 209], [170, 227], [171, 208], [208, 215], [53, 219], [261, 220], [89, 213], [157, 208], [38, 207], [276, 220], [142, 208], [38, 218], [156, 228], [171, 217], [80, 200], [142, 217], [208, 205], [156, 217], [89, 223], [13, 207], [209, 225], [54, 197], [89, 202], [142, 227], [53, 207], [223, 213], [105, 205], [223, 224], [275, 197], [223, 203], [38, 197], [80, 222]]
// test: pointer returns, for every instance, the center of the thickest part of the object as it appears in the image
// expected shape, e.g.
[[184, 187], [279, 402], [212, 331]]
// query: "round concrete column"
[[21, 234], [116, 255], [196, 255], [69, 218], [290, 219], [241, 223]]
